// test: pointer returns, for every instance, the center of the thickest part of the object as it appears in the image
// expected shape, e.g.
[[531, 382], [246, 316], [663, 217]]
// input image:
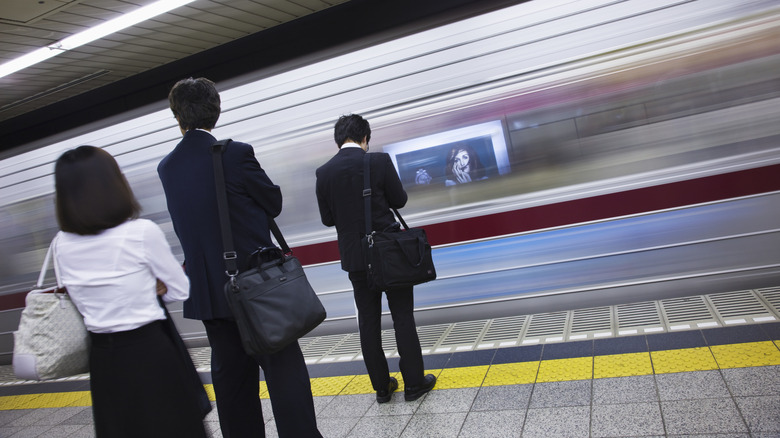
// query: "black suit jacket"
[[340, 200], [187, 176]]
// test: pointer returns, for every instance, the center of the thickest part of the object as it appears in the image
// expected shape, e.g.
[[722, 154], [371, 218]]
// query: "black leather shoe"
[[412, 393], [385, 395]]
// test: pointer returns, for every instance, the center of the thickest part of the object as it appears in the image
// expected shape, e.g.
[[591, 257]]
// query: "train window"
[[611, 120], [545, 145], [697, 93]]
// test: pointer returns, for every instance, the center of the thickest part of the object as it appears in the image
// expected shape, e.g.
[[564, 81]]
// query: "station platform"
[[704, 366]]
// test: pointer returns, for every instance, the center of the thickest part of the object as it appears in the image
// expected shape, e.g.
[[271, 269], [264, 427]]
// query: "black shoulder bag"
[[394, 257], [273, 302]]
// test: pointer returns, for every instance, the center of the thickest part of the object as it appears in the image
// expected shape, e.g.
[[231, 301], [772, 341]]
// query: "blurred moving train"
[[630, 150]]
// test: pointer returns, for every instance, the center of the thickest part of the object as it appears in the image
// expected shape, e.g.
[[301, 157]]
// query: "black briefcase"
[[399, 258], [273, 303], [395, 257]]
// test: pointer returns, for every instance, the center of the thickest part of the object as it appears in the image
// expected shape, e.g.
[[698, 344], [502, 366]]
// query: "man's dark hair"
[[195, 103], [92, 194], [351, 127]]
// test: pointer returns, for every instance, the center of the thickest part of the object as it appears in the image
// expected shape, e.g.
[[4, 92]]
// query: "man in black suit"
[[187, 176], [340, 200]]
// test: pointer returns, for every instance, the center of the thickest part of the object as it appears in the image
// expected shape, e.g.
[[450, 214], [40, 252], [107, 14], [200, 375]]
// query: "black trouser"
[[236, 378], [401, 303]]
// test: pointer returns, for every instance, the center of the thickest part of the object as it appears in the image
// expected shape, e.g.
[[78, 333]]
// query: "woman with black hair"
[[114, 265]]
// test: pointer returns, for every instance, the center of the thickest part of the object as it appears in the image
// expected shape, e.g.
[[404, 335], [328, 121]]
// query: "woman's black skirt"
[[139, 386]]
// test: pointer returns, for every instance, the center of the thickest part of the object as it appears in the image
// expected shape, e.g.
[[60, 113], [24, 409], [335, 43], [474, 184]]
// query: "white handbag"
[[51, 341]]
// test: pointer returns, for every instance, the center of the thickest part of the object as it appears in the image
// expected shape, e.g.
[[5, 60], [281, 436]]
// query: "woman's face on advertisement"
[[462, 160]]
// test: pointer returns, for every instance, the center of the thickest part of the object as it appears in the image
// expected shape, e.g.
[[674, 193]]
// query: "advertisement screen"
[[460, 156]]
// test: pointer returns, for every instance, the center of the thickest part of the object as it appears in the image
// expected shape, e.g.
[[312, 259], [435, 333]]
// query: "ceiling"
[[26, 25], [218, 39]]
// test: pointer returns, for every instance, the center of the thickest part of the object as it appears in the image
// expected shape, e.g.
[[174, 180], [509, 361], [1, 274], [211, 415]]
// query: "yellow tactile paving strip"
[[750, 354]]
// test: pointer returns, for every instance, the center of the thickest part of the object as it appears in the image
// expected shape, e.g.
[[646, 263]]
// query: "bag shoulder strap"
[[50, 255], [367, 192], [229, 254], [278, 235], [367, 197]]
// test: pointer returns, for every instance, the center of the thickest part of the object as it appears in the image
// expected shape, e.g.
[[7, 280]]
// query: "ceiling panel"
[[26, 25], [25, 11]]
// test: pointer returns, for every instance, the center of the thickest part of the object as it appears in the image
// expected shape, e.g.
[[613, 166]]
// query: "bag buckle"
[[366, 192], [62, 301], [370, 239], [233, 281]]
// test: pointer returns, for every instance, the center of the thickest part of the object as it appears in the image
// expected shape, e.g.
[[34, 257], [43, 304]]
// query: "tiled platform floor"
[[741, 402], [709, 383]]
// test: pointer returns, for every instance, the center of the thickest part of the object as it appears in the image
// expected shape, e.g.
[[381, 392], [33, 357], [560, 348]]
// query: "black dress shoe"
[[412, 393], [384, 395]]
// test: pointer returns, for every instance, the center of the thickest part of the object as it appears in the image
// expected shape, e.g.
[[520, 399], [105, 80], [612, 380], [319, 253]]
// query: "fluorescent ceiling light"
[[27, 60], [91, 34]]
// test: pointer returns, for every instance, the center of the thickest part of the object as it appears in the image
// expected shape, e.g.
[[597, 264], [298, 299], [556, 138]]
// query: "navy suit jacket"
[[340, 200], [187, 176]]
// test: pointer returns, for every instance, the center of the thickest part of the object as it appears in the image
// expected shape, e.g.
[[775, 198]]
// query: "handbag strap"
[[50, 255], [367, 197], [229, 254]]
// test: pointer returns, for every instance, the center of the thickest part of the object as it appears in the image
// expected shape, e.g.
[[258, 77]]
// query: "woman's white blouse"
[[112, 276]]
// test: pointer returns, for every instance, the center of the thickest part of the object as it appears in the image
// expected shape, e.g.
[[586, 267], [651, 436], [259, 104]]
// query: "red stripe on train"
[[677, 194]]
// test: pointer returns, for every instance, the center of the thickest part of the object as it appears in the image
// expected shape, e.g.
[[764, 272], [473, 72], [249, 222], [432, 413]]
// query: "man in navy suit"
[[187, 177], [340, 199]]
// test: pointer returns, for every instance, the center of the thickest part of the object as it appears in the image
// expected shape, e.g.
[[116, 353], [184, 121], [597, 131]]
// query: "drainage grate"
[[349, 346], [505, 329], [463, 333], [201, 357], [638, 315], [683, 313], [740, 307], [596, 320], [772, 297], [547, 324], [305, 342], [430, 334], [321, 346], [736, 306]]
